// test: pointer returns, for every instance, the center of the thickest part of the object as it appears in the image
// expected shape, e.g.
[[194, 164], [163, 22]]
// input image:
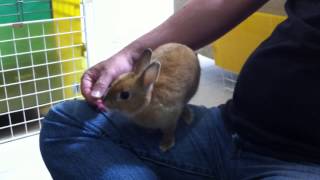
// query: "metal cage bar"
[[41, 63]]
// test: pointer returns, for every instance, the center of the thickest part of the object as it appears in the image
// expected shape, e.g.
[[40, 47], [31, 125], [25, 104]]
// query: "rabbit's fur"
[[155, 94]]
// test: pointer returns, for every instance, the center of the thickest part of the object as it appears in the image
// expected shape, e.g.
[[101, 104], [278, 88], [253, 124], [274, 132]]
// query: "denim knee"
[[74, 110], [69, 118]]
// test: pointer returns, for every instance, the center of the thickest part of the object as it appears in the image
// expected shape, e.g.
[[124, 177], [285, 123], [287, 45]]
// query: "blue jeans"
[[79, 142]]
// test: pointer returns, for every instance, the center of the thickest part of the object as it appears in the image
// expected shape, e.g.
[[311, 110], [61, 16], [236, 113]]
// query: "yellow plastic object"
[[232, 50], [65, 8], [71, 38]]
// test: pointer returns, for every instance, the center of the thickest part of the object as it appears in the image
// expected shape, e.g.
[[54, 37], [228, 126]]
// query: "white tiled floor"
[[21, 159], [211, 90]]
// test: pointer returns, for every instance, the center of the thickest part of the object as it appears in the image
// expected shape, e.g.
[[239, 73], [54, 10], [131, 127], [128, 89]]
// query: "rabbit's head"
[[132, 92]]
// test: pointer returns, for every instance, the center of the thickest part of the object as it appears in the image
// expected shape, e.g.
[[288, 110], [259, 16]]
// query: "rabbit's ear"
[[143, 61], [150, 74]]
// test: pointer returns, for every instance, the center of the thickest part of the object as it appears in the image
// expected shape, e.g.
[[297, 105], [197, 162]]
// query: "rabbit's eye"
[[124, 95]]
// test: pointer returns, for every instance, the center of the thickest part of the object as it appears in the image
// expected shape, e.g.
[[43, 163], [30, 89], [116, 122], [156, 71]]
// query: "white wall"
[[112, 24]]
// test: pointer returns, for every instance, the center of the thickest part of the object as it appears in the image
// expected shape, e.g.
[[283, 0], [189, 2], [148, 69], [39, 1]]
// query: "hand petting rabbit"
[[155, 94]]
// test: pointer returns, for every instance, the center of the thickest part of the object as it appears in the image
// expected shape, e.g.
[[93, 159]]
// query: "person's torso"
[[276, 102]]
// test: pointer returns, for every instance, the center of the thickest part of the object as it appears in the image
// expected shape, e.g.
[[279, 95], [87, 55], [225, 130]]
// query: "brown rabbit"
[[155, 94]]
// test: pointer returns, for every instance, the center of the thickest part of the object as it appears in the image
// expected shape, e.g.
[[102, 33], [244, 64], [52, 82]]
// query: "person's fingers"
[[100, 105], [96, 81], [87, 81], [100, 87], [86, 84]]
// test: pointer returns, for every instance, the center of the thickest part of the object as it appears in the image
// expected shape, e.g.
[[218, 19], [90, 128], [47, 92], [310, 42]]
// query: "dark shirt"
[[276, 102]]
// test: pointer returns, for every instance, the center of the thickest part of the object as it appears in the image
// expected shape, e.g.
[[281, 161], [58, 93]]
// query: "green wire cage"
[[42, 57]]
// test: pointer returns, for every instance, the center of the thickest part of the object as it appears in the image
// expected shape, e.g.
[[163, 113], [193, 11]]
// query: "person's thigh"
[[251, 166], [79, 141], [74, 147]]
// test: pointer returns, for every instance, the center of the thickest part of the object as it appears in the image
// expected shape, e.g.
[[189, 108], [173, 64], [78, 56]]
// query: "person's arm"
[[198, 23]]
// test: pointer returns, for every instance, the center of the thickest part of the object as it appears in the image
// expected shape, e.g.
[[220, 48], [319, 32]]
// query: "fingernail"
[[96, 94]]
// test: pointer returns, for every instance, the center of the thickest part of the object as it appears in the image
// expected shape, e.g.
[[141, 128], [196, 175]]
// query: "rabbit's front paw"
[[168, 140], [165, 145]]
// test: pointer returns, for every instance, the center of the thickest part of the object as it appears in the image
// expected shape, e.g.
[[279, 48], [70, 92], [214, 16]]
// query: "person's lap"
[[79, 142]]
